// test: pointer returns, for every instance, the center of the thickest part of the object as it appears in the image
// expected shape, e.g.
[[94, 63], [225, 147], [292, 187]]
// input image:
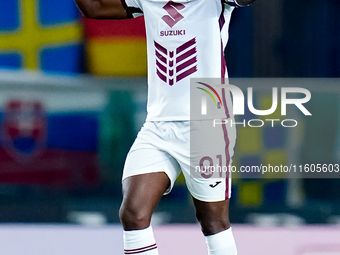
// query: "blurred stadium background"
[[73, 97]]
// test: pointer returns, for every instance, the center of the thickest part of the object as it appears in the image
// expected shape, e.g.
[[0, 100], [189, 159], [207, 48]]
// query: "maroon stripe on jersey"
[[223, 63], [160, 66], [160, 57], [227, 142], [186, 64], [186, 45], [223, 68], [161, 76], [161, 48], [221, 21], [226, 110], [140, 250], [186, 55], [227, 155], [186, 73]]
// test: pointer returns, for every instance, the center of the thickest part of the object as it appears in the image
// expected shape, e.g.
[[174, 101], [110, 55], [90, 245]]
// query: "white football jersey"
[[185, 39]]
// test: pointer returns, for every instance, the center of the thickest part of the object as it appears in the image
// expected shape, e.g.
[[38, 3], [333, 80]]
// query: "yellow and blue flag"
[[41, 35]]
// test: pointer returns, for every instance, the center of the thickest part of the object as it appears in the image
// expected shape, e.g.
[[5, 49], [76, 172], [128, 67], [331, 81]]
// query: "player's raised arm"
[[102, 9]]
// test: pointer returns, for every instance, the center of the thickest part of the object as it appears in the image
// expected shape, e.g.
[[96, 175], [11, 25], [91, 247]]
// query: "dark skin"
[[141, 193], [135, 212], [113, 9], [102, 9]]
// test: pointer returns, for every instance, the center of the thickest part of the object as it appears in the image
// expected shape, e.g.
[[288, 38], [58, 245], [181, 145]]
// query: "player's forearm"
[[102, 9]]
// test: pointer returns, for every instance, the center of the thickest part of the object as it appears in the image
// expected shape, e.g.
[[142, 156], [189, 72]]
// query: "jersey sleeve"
[[133, 8]]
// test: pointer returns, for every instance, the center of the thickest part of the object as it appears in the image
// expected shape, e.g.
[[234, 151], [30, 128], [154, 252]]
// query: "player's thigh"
[[147, 176], [151, 160], [143, 191], [207, 174], [141, 194], [149, 153]]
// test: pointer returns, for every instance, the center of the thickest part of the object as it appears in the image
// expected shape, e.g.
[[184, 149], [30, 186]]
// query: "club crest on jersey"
[[174, 16], [175, 65], [23, 129]]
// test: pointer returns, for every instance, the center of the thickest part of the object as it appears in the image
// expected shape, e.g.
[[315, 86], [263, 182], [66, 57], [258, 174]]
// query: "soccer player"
[[185, 39]]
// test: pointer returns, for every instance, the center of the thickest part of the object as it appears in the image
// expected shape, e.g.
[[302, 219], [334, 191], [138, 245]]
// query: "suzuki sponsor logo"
[[174, 16]]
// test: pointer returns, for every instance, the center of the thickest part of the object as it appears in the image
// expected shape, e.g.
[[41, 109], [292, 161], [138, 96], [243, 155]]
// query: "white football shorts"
[[201, 149]]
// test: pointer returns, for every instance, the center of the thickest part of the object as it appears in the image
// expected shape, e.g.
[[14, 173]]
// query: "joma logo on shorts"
[[214, 185]]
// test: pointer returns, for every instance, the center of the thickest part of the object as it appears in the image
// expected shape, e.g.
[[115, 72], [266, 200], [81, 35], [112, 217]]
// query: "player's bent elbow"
[[104, 15], [87, 14], [100, 9], [92, 13]]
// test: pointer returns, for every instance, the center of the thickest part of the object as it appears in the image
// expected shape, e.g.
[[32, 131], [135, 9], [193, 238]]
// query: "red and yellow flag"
[[116, 47]]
